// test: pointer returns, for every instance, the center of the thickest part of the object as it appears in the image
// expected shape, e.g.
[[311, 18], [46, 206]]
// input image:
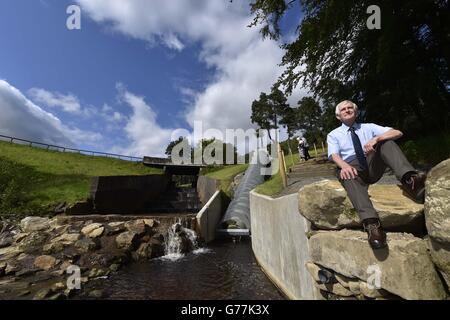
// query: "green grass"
[[226, 175], [34, 180], [274, 185]]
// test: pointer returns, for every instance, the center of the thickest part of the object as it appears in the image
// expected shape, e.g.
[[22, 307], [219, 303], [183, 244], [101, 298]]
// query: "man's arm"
[[391, 134], [347, 171]]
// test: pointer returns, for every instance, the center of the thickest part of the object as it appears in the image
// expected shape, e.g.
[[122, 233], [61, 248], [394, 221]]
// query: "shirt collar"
[[346, 128]]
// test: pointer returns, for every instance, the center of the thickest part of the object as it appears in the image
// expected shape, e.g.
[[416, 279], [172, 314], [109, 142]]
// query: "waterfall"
[[192, 237], [179, 241]]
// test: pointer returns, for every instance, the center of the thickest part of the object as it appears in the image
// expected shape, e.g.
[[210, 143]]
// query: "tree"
[[289, 121], [309, 118], [398, 75], [267, 110]]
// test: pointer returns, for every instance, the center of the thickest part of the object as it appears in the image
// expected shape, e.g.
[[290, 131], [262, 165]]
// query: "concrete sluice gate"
[[179, 191], [166, 197], [151, 194]]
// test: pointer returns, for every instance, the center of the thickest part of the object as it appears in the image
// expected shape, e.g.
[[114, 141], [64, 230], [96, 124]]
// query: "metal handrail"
[[64, 149]]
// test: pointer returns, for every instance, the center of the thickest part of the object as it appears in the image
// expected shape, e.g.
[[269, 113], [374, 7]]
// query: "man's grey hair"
[[342, 103]]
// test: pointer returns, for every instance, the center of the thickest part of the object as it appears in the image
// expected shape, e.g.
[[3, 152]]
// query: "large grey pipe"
[[237, 215]]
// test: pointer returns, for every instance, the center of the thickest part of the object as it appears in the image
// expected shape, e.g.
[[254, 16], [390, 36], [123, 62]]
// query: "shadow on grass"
[[27, 191]]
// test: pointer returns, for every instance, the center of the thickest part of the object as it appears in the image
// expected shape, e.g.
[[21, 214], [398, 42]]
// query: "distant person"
[[362, 151], [303, 149], [306, 148]]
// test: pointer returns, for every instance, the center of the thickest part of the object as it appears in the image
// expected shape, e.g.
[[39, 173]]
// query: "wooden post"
[[315, 149], [290, 152], [284, 162], [282, 166]]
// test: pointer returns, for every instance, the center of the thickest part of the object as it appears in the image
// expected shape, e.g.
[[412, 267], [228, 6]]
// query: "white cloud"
[[147, 137], [245, 64], [173, 42], [117, 117], [69, 103], [22, 118]]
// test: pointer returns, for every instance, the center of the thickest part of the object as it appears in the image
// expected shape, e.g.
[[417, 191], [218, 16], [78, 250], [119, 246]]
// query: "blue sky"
[[135, 72]]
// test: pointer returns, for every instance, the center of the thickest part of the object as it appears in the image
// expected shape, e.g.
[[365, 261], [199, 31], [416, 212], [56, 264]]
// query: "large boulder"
[[67, 238], [45, 262], [344, 286], [326, 205], [93, 230], [126, 240], [405, 269], [85, 245], [437, 216], [30, 224], [33, 242], [137, 226]]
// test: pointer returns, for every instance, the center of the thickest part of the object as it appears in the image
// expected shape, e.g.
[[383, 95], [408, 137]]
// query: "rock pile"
[[418, 255], [35, 257]]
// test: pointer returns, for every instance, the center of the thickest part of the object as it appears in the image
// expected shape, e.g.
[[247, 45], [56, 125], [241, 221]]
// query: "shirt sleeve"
[[378, 130], [333, 145]]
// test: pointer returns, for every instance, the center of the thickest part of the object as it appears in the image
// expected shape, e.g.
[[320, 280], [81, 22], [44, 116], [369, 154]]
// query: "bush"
[[14, 184], [428, 151]]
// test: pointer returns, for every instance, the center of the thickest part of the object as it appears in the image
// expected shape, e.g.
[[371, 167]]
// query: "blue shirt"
[[340, 140]]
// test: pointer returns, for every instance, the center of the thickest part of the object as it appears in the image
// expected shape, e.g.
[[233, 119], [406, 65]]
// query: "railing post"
[[64, 149]]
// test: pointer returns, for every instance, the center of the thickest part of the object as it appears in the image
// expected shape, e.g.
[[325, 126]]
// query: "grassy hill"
[[34, 180], [226, 175]]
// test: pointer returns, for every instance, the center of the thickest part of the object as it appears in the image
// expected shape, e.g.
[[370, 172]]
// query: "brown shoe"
[[377, 236], [415, 187]]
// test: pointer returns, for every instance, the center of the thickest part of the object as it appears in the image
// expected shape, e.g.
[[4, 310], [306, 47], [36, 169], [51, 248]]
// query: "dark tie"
[[359, 150]]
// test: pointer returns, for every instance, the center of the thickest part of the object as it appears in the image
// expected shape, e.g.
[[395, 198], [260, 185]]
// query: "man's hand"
[[370, 145], [348, 172]]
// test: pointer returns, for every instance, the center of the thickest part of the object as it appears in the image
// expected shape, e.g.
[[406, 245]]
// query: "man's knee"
[[387, 143], [390, 147]]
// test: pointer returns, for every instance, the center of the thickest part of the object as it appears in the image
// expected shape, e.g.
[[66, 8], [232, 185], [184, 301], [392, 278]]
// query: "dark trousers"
[[307, 156], [387, 154]]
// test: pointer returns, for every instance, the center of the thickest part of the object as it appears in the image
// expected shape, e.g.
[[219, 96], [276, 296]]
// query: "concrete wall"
[[126, 194], [206, 187], [280, 244], [209, 217]]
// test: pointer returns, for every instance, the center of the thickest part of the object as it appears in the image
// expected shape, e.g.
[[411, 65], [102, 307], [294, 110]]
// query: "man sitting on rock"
[[362, 151]]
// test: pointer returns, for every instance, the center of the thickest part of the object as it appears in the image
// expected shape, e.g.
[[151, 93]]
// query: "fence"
[[65, 149]]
